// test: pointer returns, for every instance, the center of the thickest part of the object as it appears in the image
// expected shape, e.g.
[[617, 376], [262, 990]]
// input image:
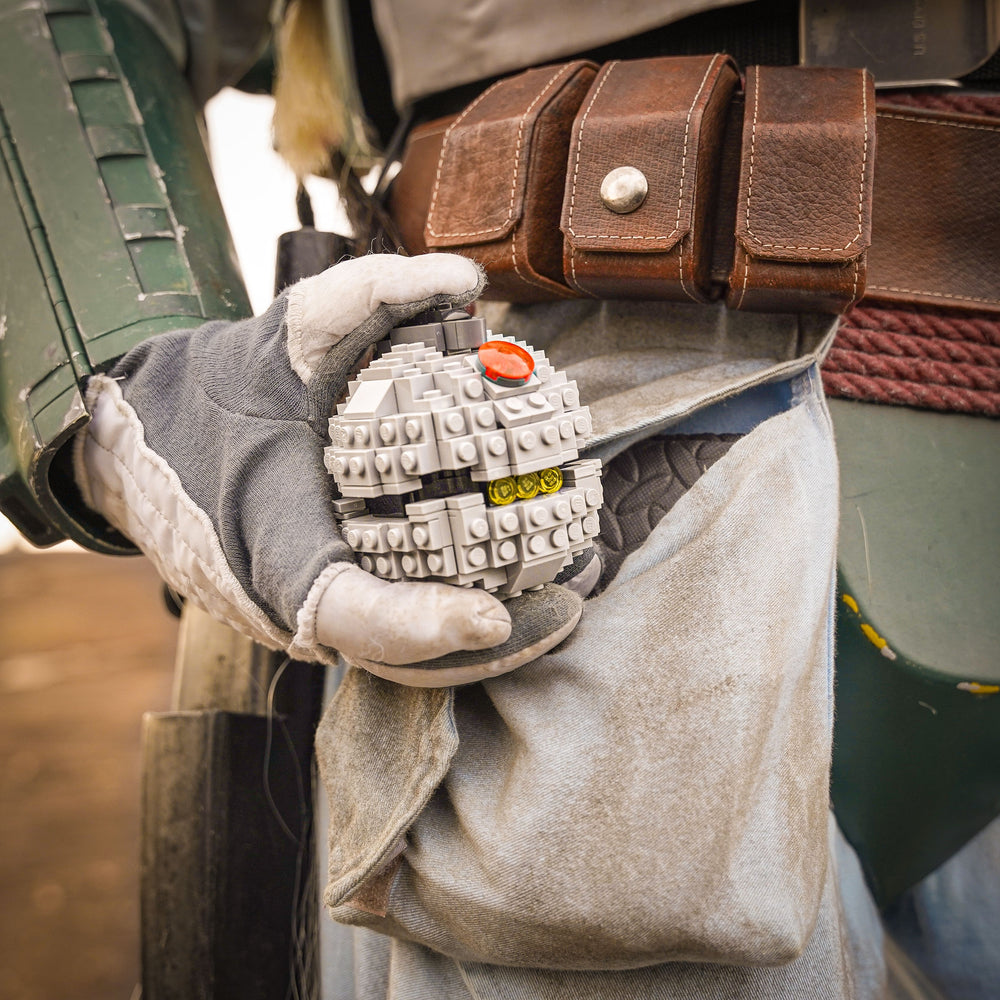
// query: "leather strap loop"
[[663, 118], [804, 211]]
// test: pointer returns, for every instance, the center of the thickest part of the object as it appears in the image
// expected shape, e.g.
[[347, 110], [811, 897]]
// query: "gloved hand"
[[205, 448]]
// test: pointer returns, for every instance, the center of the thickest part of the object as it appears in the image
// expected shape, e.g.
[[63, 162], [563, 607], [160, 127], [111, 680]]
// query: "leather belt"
[[668, 178]]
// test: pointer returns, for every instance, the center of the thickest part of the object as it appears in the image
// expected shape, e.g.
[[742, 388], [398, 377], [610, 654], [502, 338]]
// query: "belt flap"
[[646, 114], [807, 169], [479, 187]]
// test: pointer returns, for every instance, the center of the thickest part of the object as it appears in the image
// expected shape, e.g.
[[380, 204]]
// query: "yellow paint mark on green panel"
[[973, 687], [851, 603], [873, 637]]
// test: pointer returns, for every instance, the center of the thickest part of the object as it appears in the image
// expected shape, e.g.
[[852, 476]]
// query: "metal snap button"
[[624, 189]]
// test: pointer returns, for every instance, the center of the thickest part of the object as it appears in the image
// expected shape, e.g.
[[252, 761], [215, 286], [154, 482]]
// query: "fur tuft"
[[309, 115]]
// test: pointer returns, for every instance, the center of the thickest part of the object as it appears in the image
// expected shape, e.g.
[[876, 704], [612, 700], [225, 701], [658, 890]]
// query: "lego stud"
[[624, 189], [505, 363]]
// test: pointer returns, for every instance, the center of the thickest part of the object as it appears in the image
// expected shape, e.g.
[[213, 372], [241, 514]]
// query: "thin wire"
[[301, 973], [267, 756], [864, 537]]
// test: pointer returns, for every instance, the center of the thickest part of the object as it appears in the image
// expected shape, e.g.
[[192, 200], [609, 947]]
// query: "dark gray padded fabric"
[[643, 483]]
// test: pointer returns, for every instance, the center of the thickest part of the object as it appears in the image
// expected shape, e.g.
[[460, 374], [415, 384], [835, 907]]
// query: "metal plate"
[[902, 42]]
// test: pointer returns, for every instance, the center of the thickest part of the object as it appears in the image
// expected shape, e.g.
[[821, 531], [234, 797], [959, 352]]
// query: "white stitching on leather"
[[746, 278], [923, 291], [930, 120], [680, 192], [680, 269], [861, 186], [517, 158], [937, 121]]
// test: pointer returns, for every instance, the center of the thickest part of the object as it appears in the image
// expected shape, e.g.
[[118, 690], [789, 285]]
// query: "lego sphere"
[[459, 463]]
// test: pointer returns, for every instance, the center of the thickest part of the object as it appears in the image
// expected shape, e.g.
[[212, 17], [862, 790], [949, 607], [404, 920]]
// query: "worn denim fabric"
[[948, 923], [842, 959], [654, 790]]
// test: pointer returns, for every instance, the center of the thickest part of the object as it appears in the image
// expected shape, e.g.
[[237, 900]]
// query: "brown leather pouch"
[[764, 197], [498, 173], [804, 210], [663, 121]]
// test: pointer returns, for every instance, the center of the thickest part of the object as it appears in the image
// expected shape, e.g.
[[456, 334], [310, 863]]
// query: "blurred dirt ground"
[[86, 646]]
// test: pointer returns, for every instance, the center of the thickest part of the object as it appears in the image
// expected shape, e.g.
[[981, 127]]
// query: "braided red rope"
[[880, 390], [926, 359]]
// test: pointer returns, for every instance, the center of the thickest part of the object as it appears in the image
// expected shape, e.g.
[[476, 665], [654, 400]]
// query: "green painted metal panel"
[[920, 537], [916, 766], [113, 232]]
